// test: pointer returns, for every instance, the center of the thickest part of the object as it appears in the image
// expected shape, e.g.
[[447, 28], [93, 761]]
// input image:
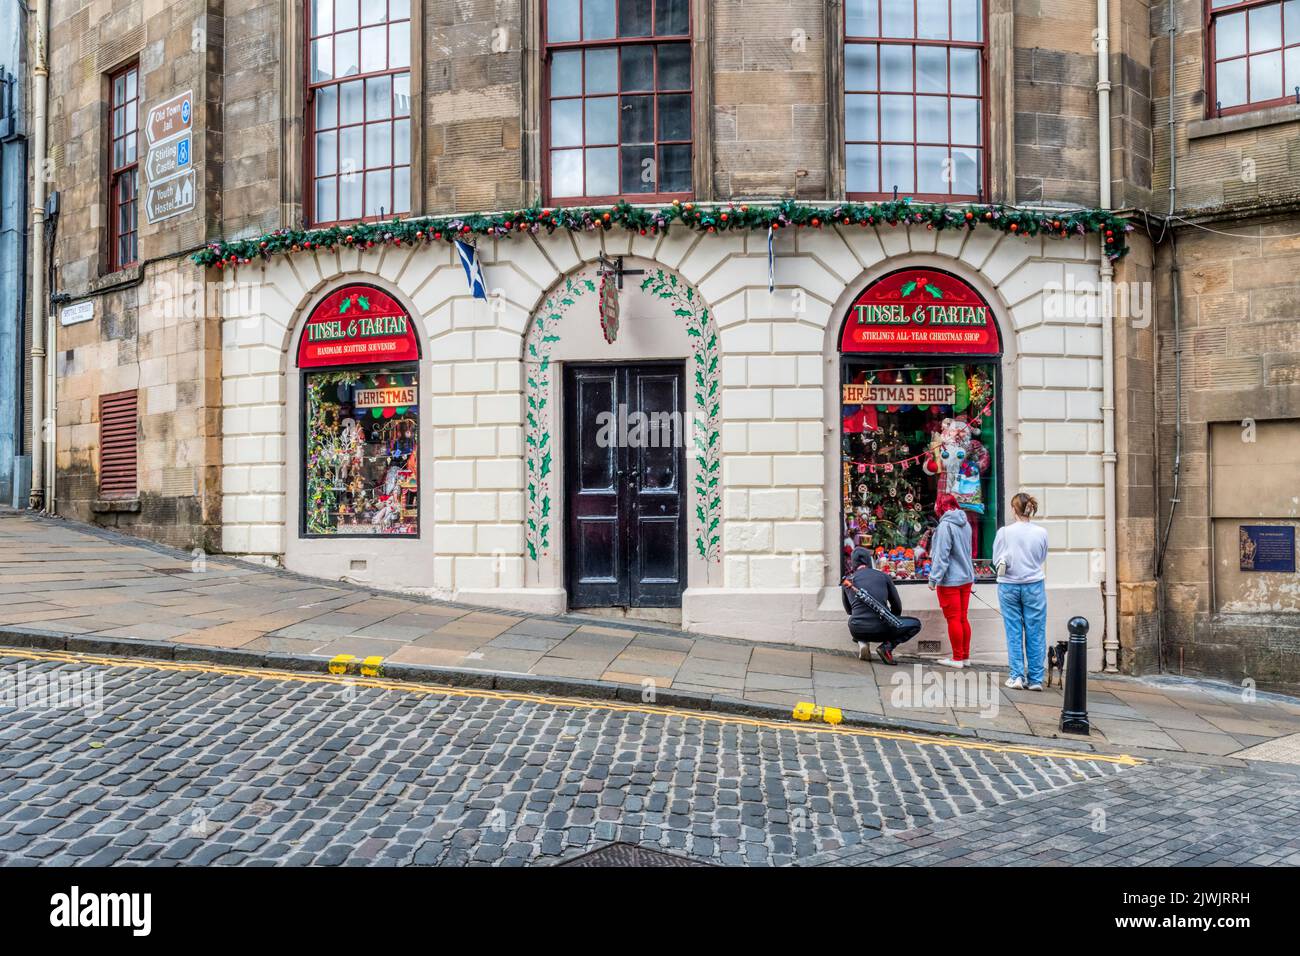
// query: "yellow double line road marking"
[[439, 690]]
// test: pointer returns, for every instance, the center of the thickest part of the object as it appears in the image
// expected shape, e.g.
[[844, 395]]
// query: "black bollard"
[[1074, 709]]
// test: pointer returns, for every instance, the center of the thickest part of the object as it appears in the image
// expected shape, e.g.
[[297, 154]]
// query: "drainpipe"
[[1176, 317], [1110, 641], [51, 415], [40, 307]]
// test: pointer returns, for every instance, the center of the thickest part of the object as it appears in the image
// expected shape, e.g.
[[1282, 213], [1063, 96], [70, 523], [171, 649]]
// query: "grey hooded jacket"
[[950, 551]]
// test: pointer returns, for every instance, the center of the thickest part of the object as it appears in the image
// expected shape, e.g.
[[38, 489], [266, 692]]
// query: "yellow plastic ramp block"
[[805, 710], [339, 664], [371, 666]]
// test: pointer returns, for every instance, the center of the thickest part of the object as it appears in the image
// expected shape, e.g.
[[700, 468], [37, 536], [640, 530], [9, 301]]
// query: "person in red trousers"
[[952, 572]]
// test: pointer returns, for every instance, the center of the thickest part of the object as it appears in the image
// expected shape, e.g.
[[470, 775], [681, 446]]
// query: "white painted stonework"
[[776, 576]]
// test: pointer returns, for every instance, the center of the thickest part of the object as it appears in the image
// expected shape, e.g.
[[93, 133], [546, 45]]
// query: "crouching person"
[[874, 609]]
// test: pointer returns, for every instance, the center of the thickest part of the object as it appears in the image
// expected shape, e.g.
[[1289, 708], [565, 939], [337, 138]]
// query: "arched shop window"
[[360, 451], [921, 386]]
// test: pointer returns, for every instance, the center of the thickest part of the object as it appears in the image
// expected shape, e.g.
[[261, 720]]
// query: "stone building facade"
[[149, 328], [1215, 399], [775, 102]]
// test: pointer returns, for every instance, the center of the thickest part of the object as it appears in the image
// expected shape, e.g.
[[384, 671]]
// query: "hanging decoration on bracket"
[[608, 306]]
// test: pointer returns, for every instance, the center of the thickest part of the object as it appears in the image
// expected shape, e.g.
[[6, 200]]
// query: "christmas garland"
[[700, 217]]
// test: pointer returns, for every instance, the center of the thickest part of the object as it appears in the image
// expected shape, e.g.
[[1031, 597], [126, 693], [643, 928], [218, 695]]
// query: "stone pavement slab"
[[80, 581]]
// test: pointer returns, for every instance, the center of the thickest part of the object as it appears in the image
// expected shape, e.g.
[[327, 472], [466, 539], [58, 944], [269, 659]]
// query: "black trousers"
[[893, 636]]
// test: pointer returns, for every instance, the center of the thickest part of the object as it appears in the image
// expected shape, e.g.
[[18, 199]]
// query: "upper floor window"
[[123, 168], [358, 109], [914, 98], [618, 100], [1254, 53]]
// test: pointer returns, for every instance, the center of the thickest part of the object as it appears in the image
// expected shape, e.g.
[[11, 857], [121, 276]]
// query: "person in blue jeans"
[[1019, 553]]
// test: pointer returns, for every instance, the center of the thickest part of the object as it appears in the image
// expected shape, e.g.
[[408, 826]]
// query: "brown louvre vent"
[[117, 445]]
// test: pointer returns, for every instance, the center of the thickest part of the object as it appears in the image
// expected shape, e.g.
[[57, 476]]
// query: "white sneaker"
[[864, 650], [1015, 683], [949, 662], [1035, 686]]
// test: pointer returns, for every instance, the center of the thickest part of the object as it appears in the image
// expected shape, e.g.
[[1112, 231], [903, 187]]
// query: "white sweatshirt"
[[1023, 546]]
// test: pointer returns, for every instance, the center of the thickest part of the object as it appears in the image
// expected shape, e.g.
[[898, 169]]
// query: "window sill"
[[1239, 122], [115, 505], [111, 280]]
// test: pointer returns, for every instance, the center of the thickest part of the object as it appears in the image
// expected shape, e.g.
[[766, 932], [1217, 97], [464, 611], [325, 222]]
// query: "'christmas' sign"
[[920, 310], [357, 325], [398, 397]]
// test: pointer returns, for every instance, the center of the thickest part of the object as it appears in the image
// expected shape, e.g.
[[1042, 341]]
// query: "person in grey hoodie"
[[952, 572]]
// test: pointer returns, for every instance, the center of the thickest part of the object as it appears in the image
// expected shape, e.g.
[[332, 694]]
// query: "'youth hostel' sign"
[[357, 325], [920, 310]]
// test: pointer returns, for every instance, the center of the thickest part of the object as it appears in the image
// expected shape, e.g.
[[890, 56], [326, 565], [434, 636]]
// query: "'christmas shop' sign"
[[357, 325], [920, 310], [903, 394]]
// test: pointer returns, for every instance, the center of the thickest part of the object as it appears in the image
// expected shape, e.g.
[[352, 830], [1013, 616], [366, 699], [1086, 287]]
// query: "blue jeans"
[[1024, 612]]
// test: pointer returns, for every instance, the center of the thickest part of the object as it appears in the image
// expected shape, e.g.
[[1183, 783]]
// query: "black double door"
[[625, 474]]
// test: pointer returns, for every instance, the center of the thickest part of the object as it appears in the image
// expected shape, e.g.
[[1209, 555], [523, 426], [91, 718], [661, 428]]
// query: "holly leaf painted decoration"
[[921, 283], [364, 303], [345, 304]]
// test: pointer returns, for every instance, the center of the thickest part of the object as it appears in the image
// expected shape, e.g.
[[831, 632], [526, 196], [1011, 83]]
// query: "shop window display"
[[912, 429], [362, 456]]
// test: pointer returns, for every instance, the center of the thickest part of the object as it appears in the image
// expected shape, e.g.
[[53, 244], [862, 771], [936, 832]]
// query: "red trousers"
[[954, 602]]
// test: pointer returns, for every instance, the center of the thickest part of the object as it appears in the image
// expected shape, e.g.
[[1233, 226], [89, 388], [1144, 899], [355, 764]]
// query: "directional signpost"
[[169, 164], [166, 159], [170, 198]]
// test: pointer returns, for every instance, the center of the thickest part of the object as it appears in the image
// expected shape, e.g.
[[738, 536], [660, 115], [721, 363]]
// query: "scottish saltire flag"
[[771, 263], [473, 271]]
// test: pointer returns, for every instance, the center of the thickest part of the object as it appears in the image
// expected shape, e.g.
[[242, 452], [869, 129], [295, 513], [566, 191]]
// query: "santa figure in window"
[[388, 513], [959, 459]]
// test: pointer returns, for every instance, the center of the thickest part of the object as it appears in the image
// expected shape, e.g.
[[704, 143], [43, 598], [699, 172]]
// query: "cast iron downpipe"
[[1110, 641]]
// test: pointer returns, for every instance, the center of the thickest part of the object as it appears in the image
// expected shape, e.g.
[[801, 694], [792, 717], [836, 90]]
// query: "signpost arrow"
[[170, 198], [168, 159], [171, 118]]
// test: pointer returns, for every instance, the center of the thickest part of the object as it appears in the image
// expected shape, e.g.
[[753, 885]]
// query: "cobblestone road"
[[192, 766]]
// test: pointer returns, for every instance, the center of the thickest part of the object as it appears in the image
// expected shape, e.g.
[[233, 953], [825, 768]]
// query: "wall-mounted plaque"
[[1266, 547]]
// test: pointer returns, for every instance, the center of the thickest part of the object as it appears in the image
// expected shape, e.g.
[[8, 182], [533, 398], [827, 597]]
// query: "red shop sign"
[[358, 325], [920, 310]]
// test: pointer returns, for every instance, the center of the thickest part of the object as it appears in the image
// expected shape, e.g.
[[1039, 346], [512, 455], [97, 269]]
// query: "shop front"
[[680, 428], [920, 381], [355, 508]]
